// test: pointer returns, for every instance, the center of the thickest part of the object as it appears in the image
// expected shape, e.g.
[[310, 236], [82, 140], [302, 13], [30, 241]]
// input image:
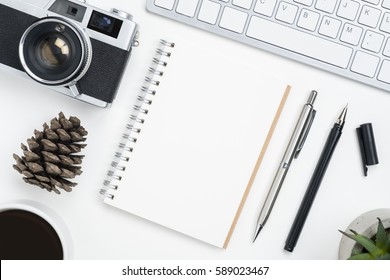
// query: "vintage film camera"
[[70, 46]]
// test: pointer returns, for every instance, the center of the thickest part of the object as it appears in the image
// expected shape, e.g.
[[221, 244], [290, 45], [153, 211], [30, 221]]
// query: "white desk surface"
[[103, 232]]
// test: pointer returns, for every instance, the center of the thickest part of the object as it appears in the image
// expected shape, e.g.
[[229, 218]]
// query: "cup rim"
[[47, 214]]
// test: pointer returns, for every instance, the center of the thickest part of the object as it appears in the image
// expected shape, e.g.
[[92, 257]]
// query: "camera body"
[[67, 45]]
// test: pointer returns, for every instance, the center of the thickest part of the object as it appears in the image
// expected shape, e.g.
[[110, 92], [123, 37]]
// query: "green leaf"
[[384, 257], [381, 237], [387, 246], [356, 251], [366, 242], [347, 234], [364, 256]]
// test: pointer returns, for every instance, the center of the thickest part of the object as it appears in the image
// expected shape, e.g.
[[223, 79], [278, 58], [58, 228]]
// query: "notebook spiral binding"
[[136, 119]]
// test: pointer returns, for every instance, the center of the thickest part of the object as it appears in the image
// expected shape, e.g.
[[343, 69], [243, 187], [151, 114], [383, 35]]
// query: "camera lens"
[[55, 52]]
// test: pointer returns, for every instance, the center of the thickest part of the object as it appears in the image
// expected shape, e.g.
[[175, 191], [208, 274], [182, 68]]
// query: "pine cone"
[[51, 156]]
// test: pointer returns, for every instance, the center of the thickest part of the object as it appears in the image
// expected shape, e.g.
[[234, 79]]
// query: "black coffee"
[[27, 236]]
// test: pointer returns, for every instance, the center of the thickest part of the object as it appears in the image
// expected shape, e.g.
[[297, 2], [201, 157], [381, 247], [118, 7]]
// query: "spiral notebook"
[[194, 141]]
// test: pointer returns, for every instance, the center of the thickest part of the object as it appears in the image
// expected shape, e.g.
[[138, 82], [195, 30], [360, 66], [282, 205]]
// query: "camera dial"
[[55, 52], [122, 14]]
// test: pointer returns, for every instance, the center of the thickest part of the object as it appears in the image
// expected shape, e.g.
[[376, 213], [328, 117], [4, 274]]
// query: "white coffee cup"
[[48, 215]]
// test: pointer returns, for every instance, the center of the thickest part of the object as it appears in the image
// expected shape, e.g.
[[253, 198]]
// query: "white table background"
[[102, 232]]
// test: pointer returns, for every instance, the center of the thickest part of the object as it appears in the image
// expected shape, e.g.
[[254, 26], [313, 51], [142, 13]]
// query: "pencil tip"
[[257, 232]]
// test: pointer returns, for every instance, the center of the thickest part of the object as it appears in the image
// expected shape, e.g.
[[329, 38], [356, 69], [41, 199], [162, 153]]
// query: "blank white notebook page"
[[191, 166]]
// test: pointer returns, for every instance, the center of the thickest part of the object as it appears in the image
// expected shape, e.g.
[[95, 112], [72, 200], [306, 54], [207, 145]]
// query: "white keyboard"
[[349, 38]]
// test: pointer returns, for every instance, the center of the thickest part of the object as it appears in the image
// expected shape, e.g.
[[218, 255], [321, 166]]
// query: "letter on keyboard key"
[[385, 25], [369, 16], [187, 7], [308, 20], [384, 73], [299, 42], [372, 41], [365, 64], [351, 34], [166, 4], [265, 7], [286, 12], [348, 9], [233, 20], [329, 27]]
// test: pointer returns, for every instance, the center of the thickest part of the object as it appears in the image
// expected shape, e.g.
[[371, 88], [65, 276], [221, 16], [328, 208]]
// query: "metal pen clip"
[[307, 125], [305, 132]]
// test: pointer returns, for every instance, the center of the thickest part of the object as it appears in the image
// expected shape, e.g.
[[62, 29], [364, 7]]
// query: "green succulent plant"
[[377, 248]]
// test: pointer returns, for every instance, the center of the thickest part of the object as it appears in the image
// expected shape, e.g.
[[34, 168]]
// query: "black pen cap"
[[367, 145]]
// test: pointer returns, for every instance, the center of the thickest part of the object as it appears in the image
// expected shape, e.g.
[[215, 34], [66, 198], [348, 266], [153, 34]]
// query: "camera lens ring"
[[63, 66]]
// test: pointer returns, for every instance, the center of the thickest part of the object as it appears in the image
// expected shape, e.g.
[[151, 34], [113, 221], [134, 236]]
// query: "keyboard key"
[[187, 7], [385, 25], [348, 9], [369, 16], [209, 11], [166, 4], [365, 64], [326, 5], [308, 20], [329, 27], [351, 34], [286, 12], [386, 4], [246, 4], [265, 7], [304, 2], [299, 42], [372, 41], [384, 72], [386, 50], [233, 20]]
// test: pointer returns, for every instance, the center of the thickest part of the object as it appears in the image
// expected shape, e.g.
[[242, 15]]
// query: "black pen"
[[315, 182]]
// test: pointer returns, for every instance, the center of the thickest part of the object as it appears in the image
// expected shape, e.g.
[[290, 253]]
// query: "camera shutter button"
[[122, 14]]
